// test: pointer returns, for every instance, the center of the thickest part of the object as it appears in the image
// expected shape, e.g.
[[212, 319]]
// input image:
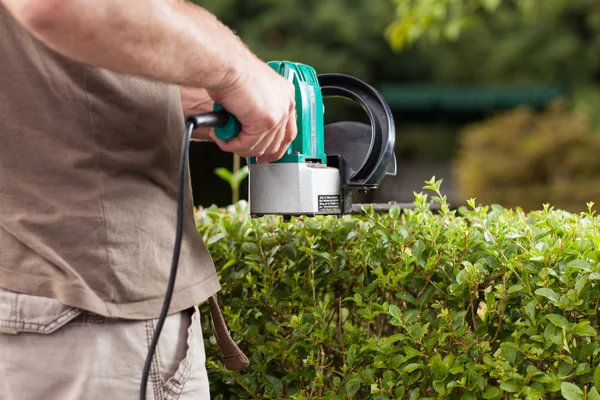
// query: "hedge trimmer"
[[325, 163]]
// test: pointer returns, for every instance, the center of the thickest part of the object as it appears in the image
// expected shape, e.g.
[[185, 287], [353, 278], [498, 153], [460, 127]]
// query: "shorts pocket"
[[191, 367], [24, 313]]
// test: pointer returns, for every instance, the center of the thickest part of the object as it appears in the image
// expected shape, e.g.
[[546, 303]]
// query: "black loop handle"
[[383, 134]]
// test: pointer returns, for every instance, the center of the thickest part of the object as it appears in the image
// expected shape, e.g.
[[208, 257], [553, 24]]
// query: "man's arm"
[[165, 40], [172, 41]]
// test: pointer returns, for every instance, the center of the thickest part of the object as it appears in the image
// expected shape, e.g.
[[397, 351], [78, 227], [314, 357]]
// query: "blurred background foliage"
[[457, 75], [343, 36], [524, 159]]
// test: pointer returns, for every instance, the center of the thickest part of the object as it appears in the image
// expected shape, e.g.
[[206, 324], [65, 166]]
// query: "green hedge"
[[475, 303]]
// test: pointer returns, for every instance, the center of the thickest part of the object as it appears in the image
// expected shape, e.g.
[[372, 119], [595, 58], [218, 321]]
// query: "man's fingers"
[[230, 146], [291, 130], [274, 146], [287, 135], [264, 148], [246, 145], [270, 144]]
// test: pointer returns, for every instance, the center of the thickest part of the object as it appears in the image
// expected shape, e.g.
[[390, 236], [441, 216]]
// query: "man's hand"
[[177, 42], [197, 101], [264, 103]]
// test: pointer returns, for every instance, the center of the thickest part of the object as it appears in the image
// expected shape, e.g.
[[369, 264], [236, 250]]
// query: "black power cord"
[[211, 119]]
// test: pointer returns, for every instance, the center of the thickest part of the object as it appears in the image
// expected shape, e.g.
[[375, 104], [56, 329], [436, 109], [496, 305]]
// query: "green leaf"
[[418, 249], [394, 212], [586, 351], [548, 293], [395, 311], [593, 394], [369, 374], [274, 385], [468, 396], [585, 330], [543, 378], [381, 397], [414, 394], [594, 276], [358, 299], [397, 360], [571, 391], [412, 366], [251, 248], [582, 369], [389, 379], [515, 288], [351, 355], [579, 264], [403, 231], [240, 175], [554, 385], [439, 369], [530, 309], [406, 297], [553, 334], [463, 276], [351, 389], [533, 393], [224, 174], [474, 380], [597, 377], [558, 320], [290, 251], [215, 238], [439, 386], [399, 392], [511, 386], [580, 284], [491, 392], [355, 380], [229, 264], [410, 352]]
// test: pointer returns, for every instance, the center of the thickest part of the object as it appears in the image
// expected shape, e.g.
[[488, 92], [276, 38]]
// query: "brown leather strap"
[[233, 357]]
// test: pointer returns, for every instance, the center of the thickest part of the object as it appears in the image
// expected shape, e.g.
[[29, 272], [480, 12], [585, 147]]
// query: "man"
[[93, 95]]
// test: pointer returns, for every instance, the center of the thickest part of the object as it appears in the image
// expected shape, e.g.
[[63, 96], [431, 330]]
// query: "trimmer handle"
[[231, 128], [216, 119]]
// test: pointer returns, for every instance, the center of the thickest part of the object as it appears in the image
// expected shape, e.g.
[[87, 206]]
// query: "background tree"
[[447, 19], [333, 36]]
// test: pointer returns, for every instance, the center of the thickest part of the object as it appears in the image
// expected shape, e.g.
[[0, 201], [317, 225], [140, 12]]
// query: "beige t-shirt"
[[89, 161]]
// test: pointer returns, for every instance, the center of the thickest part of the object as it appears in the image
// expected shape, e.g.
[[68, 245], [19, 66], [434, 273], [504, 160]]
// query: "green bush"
[[474, 303], [525, 158]]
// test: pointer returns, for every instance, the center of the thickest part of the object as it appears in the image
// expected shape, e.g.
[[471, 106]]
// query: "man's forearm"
[[166, 40]]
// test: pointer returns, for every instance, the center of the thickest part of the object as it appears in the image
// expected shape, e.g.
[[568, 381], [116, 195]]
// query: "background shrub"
[[475, 303], [525, 158]]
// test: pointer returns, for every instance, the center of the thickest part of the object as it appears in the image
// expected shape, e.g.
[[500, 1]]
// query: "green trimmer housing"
[[324, 164]]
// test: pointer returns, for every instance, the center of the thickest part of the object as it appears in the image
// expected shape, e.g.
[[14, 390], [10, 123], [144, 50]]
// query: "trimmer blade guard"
[[363, 153]]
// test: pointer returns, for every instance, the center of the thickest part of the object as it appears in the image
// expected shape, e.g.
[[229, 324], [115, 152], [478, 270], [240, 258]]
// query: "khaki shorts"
[[52, 352]]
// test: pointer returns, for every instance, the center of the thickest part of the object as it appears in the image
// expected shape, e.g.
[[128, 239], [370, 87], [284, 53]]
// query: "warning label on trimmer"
[[329, 202]]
